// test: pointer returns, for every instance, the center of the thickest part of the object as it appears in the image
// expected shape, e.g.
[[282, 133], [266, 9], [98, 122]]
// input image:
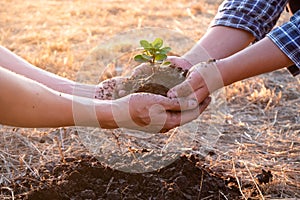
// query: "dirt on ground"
[[256, 153], [85, 177]]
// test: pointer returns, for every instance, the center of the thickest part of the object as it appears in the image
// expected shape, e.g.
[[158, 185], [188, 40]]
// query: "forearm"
[[26, 103], [20, 66], [264, 56], [235, 26], [219, 42]]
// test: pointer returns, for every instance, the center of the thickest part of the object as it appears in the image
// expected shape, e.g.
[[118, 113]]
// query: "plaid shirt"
[[259, 17]]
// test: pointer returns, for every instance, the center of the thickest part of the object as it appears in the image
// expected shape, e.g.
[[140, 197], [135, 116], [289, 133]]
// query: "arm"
[[281, 48], [18, 65], [264, 56], [27, 103], [236, 25]]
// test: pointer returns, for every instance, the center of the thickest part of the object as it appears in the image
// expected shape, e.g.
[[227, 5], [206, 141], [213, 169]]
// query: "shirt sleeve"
[[287, 38], [256, 16]]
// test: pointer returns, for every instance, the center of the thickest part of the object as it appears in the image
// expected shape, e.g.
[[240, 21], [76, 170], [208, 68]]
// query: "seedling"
[[153, 52], [157, 76]]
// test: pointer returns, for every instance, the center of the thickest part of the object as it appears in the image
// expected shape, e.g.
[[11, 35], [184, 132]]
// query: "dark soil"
[[86, 178]]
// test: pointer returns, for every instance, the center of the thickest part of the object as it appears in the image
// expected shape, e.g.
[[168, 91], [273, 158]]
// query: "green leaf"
[[157, 43], [146, 57], [140, 58], [165, 50], [145, 44], [160, 57]]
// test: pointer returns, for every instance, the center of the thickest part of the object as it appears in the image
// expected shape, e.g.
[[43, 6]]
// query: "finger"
[[191, 84], [175, 119], [199, 95], [179, 62], [190, 115], [122, 93], [178, 104]]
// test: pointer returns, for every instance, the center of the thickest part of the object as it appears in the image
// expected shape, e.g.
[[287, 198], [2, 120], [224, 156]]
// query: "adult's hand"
[[179, 62], [154, 113], [202, 80]]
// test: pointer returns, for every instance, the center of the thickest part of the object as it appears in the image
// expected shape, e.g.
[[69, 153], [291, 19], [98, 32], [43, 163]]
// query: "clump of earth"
[[158, 80]]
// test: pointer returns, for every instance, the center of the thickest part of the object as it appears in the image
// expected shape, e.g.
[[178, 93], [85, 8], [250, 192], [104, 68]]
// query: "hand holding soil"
[[179, 62], [202, 80], [154, 113], [141, 98], [106, 89]]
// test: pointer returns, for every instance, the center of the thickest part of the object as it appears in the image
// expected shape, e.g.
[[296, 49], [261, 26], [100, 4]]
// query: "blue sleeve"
[[287, 38], [255, 16]]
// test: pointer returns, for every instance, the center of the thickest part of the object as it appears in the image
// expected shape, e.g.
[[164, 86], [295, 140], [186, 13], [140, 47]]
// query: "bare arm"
[[218, 42], [20, 66], [27, 103], [262, 57]]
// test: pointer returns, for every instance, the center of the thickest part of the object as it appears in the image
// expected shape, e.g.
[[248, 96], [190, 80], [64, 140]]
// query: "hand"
[[179, 62], [107, 89], [155, 113], [202, 80]]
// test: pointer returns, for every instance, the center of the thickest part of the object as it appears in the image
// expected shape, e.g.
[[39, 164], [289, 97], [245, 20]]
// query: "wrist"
[[222, 69], [230, 73], [106, 112], [82, 90], [210, 74], [196, 55]]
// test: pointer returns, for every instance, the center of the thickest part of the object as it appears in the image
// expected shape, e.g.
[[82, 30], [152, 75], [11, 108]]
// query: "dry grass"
[[265, 117], [261, 129]]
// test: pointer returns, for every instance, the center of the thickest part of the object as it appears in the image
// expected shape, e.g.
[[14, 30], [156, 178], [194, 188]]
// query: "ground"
[[260, 130]]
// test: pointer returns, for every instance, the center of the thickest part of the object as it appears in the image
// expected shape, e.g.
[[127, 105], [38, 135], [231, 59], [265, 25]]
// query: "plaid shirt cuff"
[[238, 20], [255, 16], [287, 38]]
